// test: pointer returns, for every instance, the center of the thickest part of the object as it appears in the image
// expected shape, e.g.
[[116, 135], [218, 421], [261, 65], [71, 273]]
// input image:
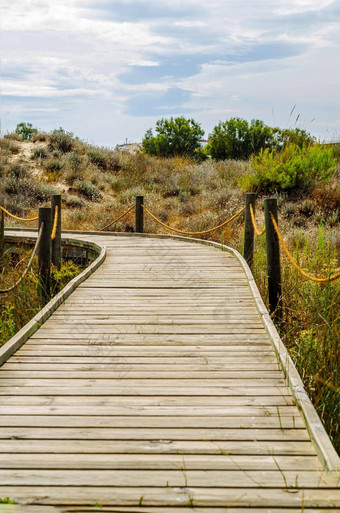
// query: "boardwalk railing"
[[49, 244]]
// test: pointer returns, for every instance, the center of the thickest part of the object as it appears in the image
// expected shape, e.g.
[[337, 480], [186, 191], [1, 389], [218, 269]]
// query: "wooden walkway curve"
[[156, 387]]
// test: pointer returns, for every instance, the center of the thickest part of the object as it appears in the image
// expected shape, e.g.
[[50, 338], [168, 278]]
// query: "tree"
[[25, 130], [175, 137], [238, 139]]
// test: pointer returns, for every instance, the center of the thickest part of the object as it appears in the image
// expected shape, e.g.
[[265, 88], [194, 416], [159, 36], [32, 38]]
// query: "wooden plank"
[[140, 422], [197, 434], [138, 390], [157, 462], [171, 478], [167, 496], [55, 400], [180, 448]]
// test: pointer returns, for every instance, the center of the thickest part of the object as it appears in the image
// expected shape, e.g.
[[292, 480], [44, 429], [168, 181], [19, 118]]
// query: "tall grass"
[[310, 328], [20, 305]]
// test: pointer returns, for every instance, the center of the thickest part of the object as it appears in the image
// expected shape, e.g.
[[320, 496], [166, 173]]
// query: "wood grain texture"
[[156, 387]]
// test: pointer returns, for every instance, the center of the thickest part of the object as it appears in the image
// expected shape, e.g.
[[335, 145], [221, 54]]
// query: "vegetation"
[[194, 196], [19, 306], [175, 137], [25, 131], [292, 167], [238, 139]]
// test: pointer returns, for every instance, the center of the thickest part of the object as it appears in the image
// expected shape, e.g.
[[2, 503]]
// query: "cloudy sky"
[[108, 69]]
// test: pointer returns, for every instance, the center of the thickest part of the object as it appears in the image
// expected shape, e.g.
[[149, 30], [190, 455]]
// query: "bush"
[[9, 146], [87, 189], [291, 168], [39, 137], [53, 166], [16, 171], [73, 201], [13, 137], [97, 157], [60, 140], [39, 152]]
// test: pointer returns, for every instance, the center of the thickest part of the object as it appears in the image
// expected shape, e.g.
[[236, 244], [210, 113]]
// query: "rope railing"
[[18, 218], [118, 218], [303, 273], [183, 232], [258, 232], [6, 291], [55, 223]]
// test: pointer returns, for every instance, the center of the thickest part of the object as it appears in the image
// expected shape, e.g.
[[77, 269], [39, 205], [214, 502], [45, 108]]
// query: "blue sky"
[[107, 70]]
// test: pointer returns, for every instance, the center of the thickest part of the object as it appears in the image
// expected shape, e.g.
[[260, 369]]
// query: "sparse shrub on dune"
[[8, 146], [61, 141], [87, 189], [39, 152]]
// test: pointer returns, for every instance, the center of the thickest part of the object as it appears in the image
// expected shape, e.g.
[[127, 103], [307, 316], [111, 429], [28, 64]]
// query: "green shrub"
[[97, 157], [290, 168], [87, 189], [53, 166], [39, 152], [73, 201], [16, 171], [60, 140]]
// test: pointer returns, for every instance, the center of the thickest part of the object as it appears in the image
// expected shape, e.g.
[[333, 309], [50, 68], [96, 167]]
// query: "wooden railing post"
[[273, 259], [44, 255], [139, 214], [248, 245], [56, 242]]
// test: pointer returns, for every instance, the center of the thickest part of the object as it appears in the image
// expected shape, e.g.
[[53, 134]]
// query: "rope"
[[16, 217], [5, 291], [258, 232], [118, 218], [292, 261], [194, 233], [55, 222]]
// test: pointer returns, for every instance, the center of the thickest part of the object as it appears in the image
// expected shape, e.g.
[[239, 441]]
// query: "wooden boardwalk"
[[155, 387]]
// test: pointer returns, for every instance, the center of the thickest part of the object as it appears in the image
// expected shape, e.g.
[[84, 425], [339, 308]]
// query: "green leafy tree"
[[175, 137], [238, 139], [25, 130]]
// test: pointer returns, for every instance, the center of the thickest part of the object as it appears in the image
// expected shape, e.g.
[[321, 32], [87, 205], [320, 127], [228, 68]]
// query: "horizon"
[[107, 71]]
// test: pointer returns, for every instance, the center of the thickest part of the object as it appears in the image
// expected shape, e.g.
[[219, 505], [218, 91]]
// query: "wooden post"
[[273, 259], [44, 255], [248, 245], [139, 214], [2, 238], [56, 242]]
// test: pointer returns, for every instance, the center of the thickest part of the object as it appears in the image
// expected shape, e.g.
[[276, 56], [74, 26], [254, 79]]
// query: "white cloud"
[[233, 56]]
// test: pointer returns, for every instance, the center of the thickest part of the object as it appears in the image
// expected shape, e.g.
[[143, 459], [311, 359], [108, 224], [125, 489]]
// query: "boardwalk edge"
[[12, 345]]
